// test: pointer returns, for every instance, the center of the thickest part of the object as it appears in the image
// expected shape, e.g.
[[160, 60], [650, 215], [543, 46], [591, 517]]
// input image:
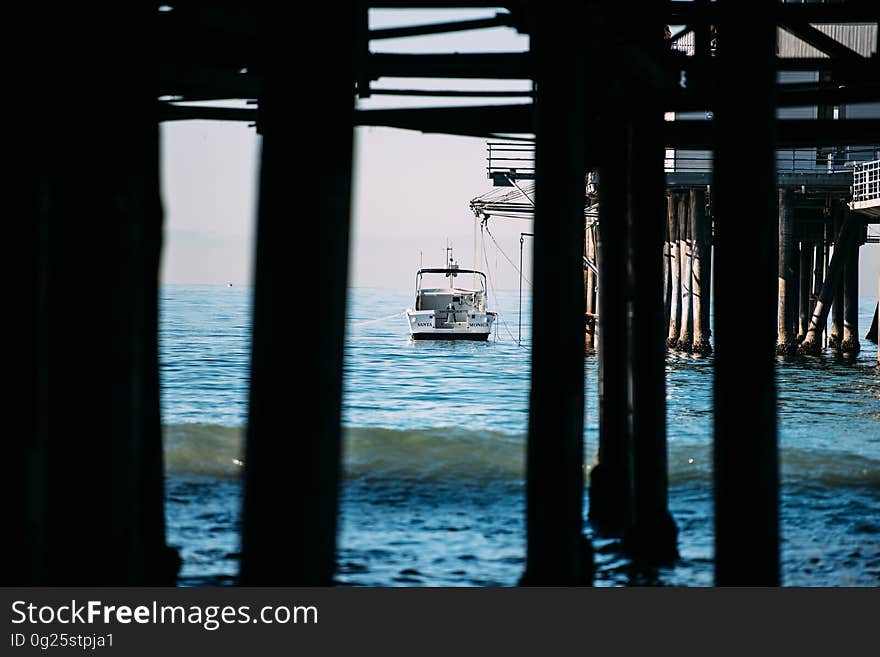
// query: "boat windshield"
[[461, 280], [453, 299]]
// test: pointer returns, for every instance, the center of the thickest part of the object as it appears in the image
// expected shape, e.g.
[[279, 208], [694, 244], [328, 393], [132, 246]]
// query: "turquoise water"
[[434, 453]]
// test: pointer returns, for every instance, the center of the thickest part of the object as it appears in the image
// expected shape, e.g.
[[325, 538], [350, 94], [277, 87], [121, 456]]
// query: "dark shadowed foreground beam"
[[555, 553], [517, 118], [611, 478], [745, 450], [628, 486], [87, 504], [653, 534], [812, 93], [452, 93], [294, 436], [180, 78], [483, 120], [498, 20], [172, 112], [431, 4], [488, 120], [855, 11], [790, 133]]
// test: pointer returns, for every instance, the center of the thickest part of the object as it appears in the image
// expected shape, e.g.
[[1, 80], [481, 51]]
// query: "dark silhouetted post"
[[745, 450], [294, 438], [653, 535], [611, 479], [89, 504], [555, 550]]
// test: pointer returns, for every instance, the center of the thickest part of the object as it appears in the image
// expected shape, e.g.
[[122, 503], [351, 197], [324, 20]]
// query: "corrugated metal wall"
[[862, 38], [863, 111], [859, 37], [797, 159]]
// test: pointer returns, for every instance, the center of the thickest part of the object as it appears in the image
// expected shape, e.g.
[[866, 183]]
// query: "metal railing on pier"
[[508, 161], [830, 160], [866, 182]]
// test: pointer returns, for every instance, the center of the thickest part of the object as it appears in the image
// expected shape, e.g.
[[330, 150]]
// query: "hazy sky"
[[410, 190]]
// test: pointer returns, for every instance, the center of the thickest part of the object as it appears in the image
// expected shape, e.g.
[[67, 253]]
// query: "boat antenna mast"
[[450, 261]]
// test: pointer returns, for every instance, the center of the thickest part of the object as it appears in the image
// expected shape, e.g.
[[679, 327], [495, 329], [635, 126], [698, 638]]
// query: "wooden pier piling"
[[611, 478], [786, 299], [675, 268], [85, 503], [667, 252], [294, 435], [557, 553], [806, 276], [871, 335], [850, 342], [819, 267], [653, 535], [835, 332], [701, 231], [685, 339], [875, 331], [812, 343], [827, 236], [590, 293], [746, 473]]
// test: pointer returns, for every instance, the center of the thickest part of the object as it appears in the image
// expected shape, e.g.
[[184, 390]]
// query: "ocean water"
[[433, 493]]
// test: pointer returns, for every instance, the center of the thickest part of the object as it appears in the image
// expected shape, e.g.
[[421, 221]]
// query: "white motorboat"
[[450, 312]]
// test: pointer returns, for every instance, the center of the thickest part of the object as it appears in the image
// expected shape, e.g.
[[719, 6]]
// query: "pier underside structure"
[[816, 194], [142, 64]]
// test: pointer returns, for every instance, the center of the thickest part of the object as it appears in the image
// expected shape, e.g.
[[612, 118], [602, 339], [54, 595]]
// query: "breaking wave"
[[486, 456]]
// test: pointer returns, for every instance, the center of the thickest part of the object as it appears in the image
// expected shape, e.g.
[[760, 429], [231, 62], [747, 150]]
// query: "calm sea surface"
[[434, 451]]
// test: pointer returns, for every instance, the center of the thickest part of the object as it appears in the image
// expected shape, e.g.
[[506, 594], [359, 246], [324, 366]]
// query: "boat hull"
[[451, 336], [476, 326]]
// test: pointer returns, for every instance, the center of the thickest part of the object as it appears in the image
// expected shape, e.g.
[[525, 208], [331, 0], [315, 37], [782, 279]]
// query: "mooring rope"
[[512, 264], [498, 317], [376, 321]]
